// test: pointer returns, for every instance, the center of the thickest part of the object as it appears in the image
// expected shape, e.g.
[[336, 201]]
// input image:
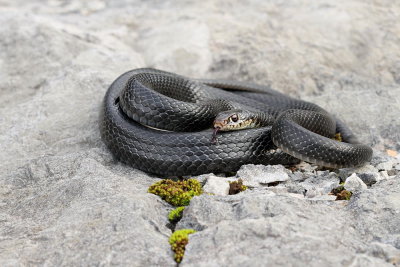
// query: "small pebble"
[[369, 178], [217, 186], [384, 166], [256, 175], [384, 175], [354, 184]]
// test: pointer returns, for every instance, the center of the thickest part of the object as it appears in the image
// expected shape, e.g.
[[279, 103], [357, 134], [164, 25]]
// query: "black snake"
[[159, 122]]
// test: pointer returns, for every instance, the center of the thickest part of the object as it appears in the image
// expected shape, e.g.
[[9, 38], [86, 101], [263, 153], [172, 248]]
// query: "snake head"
[[232, 120]]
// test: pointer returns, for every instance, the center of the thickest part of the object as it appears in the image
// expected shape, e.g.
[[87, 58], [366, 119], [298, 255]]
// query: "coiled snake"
[[159, 122]]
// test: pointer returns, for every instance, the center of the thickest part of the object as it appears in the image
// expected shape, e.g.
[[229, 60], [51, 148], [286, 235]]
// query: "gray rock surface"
[[369, 178], [256, 228], [320, 184], [64, 200], [276, 229], [256, 175]]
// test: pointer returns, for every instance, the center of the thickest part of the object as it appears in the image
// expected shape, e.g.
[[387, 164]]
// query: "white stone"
[[256, 175], [354, 184], [385, 166], [384, 175], [312, 192], [278, 189], [323, 198], [217, 186]]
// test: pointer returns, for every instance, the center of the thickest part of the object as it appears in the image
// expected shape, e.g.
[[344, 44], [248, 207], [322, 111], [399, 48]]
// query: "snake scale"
[[159, 122]]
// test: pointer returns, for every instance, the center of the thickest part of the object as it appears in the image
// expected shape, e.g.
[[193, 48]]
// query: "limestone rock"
[[369, 178], [276, 229], [256, 175], [321, 184], [64, 199], [354, 184], [385, 166], [217, 186]]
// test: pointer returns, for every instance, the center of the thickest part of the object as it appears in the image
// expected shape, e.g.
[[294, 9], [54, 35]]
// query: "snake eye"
[[234, 117]]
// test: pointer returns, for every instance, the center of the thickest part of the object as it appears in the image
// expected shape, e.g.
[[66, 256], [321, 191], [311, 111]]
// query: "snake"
[[167, 124]]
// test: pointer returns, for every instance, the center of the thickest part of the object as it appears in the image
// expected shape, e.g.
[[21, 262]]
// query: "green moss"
[[177, 193], [341, 193], [338, 189], [178, 241], [176, 214], [236, 187], [344, 195], [338, 137]]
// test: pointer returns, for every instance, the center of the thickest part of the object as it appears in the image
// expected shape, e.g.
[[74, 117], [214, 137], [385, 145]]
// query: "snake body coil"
[[141, 102]]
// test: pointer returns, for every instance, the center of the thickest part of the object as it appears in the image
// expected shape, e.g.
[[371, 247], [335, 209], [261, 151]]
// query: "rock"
[[369, 178], [385, 166], [386, 252], [306, 167], [82, 214], [204, 177], [324, 198], [371, 174], [255, 175], [311, 192], [298, 176], [354, 184], [392, 172], [380, 157], [279, 189], [365, 260], [65, 200], [346, 172], [195, 55], [376, 211], [276, 228], [322, 184], [295, 187], [323, 173], [203, 212], [397, 167], [312, 185], [384, 175], [217, 186]]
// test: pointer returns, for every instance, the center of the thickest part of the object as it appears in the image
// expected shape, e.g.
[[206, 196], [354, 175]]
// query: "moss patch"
[[177, 193], [176, 214], [341, 193], [178, 241], [236, 187], [338, 137]]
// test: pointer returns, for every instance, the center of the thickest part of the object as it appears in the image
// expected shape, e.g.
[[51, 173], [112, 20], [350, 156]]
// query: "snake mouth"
[[116, 101], [214, 135]]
